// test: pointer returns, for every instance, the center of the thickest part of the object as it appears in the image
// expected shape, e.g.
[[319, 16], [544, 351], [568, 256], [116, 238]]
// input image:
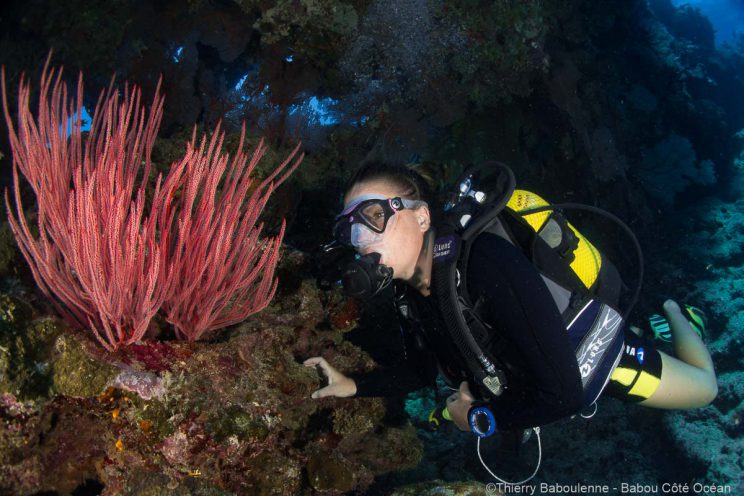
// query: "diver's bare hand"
[[339, 385], [458, 405]]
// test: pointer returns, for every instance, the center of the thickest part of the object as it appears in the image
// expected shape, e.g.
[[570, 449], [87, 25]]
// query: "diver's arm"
[[518, 304], [391, 381], [418, 370]]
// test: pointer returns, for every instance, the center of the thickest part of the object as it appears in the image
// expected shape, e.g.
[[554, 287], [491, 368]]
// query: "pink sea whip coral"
[[104, 263], [95, 252], [223, 270]]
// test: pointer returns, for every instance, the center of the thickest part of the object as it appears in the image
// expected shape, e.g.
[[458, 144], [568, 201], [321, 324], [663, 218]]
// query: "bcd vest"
[[583, 284]]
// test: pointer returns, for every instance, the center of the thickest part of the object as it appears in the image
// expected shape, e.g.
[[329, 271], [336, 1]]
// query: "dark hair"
[[410, 184]]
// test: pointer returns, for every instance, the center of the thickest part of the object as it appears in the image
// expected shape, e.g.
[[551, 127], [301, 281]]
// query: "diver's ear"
[[423, 218]]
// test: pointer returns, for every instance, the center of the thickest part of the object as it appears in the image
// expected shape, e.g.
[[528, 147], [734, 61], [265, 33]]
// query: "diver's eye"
[[375, 214]]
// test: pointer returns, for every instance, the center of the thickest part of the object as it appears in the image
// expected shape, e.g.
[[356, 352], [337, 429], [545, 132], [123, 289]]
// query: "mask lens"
[[362, 235], [374, 213], [355, 234]]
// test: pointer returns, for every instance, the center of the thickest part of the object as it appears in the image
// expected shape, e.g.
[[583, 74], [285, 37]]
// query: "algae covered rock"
[[711, 439], [329, 473], [234, 416], [26, 349], [76, 372], [8, 249], [53, 448]]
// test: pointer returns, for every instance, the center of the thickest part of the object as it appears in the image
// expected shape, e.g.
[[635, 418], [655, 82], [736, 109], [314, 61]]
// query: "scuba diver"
[[509, 303]]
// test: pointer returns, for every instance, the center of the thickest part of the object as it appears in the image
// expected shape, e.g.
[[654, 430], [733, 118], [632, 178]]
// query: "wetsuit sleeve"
[[518, 304], [416, 368]]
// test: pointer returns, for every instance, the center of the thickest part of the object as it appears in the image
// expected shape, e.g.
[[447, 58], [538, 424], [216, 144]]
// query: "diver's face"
[[400, 244]]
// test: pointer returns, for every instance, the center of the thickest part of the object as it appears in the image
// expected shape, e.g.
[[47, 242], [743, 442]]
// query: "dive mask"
[[363, 222]]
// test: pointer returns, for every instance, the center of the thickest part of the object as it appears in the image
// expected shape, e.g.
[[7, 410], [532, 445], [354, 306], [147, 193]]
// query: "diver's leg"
[[688, 381], [688, 346]]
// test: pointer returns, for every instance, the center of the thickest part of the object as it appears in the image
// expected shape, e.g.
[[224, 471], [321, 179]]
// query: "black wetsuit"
[[518, 305]]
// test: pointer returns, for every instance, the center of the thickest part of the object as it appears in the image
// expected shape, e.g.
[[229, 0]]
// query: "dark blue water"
[[727, 17]]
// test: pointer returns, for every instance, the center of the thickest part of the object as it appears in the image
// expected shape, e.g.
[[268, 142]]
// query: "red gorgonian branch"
[[222, 270], [105, 264]]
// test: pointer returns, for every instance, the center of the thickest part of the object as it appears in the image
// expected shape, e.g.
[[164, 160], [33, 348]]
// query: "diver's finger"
[[671, 306], [331, 374], [321, 362]]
